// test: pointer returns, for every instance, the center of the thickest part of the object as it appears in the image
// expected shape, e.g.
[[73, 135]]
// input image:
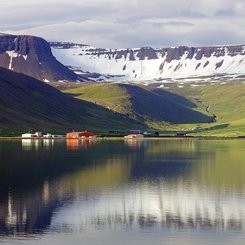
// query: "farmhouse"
[[30, 135], [76, 135]]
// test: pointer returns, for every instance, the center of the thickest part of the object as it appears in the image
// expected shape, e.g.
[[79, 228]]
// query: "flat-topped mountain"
[[148, 63], [32, 56]]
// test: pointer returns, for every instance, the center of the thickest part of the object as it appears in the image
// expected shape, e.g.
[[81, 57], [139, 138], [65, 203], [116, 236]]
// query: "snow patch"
[[107, 63], [161, 86], [12, 55], [46, 80]]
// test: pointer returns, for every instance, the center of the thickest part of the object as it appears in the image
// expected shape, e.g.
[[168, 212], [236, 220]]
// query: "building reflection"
[[48, 143], [135, 144], [76, 144], [37, 144], [31, 144]]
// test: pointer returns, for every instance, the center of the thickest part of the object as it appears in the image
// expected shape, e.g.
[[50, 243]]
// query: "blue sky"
[[128, 23]]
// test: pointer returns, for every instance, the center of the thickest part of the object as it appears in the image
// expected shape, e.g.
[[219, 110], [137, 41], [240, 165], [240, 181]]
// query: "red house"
[[76, 135]]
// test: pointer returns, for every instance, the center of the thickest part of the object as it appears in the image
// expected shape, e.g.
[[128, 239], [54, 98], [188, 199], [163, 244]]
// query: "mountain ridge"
[[147, 63]]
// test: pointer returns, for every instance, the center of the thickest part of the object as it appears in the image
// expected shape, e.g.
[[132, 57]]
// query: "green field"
[[226, 101]]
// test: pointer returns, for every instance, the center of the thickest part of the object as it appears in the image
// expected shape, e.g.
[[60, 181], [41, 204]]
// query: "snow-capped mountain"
[[149, 64]]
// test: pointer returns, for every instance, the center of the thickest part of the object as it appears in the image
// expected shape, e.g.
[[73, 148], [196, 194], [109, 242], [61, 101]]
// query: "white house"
[[30, 135]]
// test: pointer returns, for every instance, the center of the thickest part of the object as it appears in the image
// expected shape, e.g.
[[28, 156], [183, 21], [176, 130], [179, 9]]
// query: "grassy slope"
[[109, 95], [157, 108], [26, 103], [226, 102]]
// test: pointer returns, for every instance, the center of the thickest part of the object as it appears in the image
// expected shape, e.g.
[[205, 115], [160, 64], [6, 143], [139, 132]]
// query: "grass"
[[156, 108], [108, 95], [226, 101]]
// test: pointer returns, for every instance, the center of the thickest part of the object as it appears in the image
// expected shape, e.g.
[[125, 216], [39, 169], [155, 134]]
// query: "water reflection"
[[31, 212], [37, 144], [48, 143], [76, 144], [147, 204], [74, 186], [30, 144], [135, 143]]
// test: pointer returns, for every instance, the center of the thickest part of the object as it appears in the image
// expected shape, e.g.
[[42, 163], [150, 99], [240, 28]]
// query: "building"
[[31, 135], [48, 135], [151, 133], [76, 135], [28, 135], [134, 136], [39, 134]]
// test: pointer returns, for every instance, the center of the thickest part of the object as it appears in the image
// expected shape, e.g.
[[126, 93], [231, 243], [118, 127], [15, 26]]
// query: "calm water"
[[122, 192]]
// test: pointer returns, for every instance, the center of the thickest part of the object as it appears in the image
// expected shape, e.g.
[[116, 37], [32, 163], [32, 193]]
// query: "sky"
[[128, 23]]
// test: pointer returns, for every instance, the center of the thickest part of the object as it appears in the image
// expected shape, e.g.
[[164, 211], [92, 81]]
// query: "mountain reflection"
[[159, 204], [76, 186], [31, 212]]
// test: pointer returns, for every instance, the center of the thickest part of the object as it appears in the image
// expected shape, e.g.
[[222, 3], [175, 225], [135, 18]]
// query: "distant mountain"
[[27, 103], [142, 64], [32, 56]]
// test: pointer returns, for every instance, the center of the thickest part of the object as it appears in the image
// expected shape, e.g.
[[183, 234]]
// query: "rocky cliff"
[[32, 56]]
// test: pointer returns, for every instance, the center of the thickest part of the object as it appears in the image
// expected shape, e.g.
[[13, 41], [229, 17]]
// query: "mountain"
[[27, 103], [32, 56], [148, 106], [142, 64]]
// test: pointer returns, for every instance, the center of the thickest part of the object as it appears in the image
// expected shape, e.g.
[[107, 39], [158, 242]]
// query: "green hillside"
[[156, 108], [226, 101], [29, 104]]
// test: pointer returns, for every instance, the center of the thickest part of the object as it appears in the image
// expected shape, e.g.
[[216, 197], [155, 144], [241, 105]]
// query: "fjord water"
[[170, 191]]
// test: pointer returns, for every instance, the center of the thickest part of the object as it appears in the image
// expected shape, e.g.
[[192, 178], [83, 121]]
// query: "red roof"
[[79, 134]]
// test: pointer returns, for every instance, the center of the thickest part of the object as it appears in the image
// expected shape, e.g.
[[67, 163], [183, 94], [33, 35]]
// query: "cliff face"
[[148, 63], [32, 56]]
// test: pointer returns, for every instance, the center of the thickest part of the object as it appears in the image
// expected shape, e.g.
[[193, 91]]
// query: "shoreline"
[[122, 138]]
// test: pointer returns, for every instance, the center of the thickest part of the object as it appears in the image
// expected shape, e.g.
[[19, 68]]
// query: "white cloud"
[[128, 23]]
